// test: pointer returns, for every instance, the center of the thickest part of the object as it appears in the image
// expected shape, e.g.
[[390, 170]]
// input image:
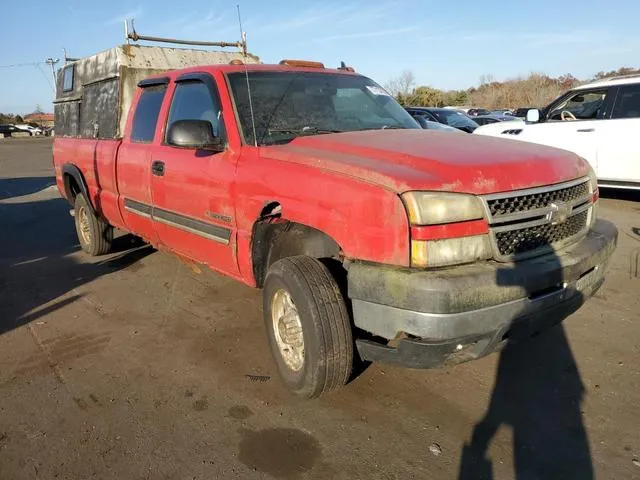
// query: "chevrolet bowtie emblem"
[[559, 212]]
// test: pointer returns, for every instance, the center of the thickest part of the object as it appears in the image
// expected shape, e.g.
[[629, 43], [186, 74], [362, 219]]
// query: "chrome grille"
[[533, 201], [512, 242], [526, 223]]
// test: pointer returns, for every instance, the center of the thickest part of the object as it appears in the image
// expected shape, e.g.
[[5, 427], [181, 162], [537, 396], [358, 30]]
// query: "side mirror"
[[533, 115], [194, 134]]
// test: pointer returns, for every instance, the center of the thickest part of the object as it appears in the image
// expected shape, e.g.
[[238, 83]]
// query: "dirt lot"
[[136, 366]]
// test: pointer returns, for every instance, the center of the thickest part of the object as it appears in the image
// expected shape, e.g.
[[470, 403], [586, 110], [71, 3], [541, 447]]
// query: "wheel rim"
[[287, 330], [83, 223]]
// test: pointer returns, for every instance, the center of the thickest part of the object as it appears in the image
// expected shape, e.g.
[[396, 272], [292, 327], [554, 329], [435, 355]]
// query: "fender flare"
[[71, 171]]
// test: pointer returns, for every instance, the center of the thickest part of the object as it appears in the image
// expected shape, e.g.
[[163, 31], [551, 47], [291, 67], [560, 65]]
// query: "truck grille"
[[530, 222], [523, 203], [522, 240]]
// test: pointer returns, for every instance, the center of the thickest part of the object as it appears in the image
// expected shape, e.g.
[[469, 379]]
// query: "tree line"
[[10, 118], [535, 90]]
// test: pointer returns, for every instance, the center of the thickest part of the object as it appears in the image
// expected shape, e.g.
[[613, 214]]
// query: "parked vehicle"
[[431, 125], [489, 119], [474, 112], [318, 187], [598, 121], [521, 112], [446, 116], [8, 130], [501, 111], [29, 128]]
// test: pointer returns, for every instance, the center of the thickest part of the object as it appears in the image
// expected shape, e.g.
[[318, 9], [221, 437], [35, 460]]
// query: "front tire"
[[94, 233], [308, 326]]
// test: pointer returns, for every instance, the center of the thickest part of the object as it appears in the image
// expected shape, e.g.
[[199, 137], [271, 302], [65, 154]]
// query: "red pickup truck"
[[368, 235]]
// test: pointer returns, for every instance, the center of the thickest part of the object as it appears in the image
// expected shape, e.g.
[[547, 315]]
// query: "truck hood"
[[403, 160]]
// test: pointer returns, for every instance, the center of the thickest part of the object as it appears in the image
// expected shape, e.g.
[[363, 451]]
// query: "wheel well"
[[275, 238], [72, 188]]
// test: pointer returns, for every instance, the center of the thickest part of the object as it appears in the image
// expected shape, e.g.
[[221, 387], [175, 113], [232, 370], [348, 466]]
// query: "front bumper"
[[452, 315]]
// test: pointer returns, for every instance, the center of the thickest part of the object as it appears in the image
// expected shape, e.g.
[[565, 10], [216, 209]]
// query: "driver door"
[[572, 124], [193, 209]]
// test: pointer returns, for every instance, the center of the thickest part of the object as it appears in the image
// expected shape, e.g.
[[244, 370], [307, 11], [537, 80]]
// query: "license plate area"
[[589, 278]]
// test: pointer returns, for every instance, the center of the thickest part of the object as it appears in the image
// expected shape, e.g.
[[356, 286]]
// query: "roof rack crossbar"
[[131, 34]]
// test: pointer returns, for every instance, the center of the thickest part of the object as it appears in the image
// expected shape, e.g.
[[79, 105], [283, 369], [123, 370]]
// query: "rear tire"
[[308, 326], [94, 233]]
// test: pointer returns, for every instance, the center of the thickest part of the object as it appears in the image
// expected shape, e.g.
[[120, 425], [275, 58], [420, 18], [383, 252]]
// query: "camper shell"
[[93, 94]]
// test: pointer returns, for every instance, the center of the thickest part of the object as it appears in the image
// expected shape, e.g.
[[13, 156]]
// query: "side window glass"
[[628, 102], [580, 106], [67, 79], [146, 116], [192, 100]]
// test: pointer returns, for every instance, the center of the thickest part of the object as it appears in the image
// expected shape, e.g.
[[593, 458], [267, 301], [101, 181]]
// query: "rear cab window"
[[627, 102], [146, 115]]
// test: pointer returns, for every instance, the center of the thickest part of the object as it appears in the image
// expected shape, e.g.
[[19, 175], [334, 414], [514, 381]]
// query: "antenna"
[[246, 75]]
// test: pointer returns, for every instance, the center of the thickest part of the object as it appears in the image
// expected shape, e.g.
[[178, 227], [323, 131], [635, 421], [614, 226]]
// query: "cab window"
[[581, 105], [146, 116], [192, 100], [627, 102]]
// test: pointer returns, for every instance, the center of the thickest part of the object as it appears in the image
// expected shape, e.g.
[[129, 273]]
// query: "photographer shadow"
[[538, 391]]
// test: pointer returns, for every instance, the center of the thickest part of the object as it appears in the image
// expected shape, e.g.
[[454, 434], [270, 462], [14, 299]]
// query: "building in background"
[[41, 119]]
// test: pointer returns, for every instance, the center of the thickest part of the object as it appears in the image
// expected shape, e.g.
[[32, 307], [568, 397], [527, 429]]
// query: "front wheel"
[[94, 233], [308, 326]]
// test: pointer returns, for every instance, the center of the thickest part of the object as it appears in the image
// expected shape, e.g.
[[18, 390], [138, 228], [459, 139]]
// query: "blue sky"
[[445, 44]]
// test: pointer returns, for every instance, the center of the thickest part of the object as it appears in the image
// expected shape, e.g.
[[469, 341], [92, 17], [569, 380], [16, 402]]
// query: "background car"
[[501, 111], [598, 121], [446, 116], [30, 128], [8, 130], [488, 119], [522, 112], [431, 125], [474, 112]]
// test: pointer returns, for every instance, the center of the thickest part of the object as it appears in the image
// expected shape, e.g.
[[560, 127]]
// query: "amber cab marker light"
[[302, 63], [236, 61]]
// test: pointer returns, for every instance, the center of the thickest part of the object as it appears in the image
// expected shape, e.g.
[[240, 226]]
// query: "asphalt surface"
[[135, 365]]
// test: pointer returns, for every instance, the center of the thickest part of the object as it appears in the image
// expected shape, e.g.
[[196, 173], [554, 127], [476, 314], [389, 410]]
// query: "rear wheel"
[[94, 233], [308, 326]]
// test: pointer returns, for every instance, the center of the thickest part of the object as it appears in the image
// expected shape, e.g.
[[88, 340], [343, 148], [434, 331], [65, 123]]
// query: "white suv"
[[599, 121]]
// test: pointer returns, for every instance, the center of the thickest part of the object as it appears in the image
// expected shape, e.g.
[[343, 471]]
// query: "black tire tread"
[[334, 325], [101, 231]]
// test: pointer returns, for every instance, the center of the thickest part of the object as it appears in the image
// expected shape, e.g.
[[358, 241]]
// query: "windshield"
[[454, 119], [290, 104]]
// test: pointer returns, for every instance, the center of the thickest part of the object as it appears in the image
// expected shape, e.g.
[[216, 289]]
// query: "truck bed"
[[96, 160]]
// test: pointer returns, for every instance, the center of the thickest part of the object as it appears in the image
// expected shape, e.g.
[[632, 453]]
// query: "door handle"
[[586, 130], [157, 168]]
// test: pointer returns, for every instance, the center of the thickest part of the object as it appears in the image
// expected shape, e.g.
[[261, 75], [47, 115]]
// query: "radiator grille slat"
[[523, 203], [513, 242], [523, 224]]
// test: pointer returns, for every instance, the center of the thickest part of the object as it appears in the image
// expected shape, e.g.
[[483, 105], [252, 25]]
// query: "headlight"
[[593, 181], [433, 208], [450, 251], [595, 195], [447, 229]]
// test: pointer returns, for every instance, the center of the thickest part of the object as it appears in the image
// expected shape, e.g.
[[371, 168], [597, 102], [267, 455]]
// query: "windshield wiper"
[[304, 130]]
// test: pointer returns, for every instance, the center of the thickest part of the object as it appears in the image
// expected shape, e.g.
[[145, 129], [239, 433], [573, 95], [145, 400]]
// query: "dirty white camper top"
[[93, 94]]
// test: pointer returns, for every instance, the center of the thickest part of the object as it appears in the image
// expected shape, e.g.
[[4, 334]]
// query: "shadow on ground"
[[538, 394], [38, 269]]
